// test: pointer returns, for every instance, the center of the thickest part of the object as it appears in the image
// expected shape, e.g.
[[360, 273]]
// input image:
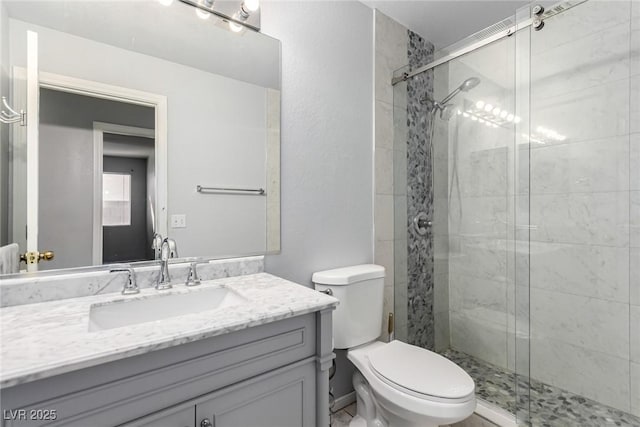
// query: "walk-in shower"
[[518, 222]]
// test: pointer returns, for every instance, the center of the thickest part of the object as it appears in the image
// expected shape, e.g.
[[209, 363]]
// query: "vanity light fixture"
[[237, 14], [248, 7], [236, 28], [203, 14]]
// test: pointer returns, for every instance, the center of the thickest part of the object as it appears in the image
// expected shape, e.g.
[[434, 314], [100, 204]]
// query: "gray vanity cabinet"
[[271, 375]]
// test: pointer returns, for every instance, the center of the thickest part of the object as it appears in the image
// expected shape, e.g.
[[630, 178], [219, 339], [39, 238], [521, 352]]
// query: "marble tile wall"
[[583, 197], [390, 54]]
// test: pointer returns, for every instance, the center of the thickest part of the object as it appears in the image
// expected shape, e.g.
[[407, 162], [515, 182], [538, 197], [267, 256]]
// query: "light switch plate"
[[179, 221]]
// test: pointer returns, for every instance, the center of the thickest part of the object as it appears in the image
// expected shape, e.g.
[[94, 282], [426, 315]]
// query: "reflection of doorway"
[[38, 227], [124, 224], [115, 144], [68, 170]]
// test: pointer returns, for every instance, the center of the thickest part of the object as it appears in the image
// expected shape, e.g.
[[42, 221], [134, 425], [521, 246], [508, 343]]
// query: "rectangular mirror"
[[140, 118]]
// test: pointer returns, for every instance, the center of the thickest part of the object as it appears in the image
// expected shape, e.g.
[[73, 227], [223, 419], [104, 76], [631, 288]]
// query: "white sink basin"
[[130, 312]]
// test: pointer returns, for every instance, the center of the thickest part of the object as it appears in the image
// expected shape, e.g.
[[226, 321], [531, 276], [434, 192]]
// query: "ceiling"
[[444, 22]]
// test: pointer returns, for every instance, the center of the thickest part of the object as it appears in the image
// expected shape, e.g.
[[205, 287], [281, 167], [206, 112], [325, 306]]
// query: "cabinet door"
[[173, 417], [279, 399]]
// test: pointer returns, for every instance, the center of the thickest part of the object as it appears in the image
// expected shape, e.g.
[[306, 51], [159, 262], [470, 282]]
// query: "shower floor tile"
[[550, 406]]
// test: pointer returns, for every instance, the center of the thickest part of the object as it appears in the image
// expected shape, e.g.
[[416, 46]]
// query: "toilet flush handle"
[[327, 291]]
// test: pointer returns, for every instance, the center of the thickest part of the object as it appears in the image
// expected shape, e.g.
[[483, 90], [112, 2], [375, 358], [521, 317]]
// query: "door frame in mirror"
[[131, 96], [99, 129]]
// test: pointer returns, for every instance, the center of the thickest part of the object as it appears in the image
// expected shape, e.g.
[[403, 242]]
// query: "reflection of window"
[[116, 199]]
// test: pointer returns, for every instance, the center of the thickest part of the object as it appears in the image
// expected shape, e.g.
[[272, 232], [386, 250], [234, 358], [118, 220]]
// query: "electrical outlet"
[[179, 221]]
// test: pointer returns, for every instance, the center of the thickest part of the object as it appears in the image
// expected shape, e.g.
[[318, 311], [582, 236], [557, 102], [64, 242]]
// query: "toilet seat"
[[420, 373]]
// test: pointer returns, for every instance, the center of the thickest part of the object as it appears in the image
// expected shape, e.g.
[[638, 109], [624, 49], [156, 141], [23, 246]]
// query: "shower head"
[[466, 86], [469, 84]]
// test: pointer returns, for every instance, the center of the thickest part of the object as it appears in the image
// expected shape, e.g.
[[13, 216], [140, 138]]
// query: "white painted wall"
[[327, 141], [217, 135]]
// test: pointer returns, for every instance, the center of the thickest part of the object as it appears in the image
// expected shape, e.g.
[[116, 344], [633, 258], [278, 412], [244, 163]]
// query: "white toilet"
[[397, 384]]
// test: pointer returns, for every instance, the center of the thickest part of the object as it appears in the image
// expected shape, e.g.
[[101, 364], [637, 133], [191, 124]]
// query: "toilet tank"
[[360, 288]]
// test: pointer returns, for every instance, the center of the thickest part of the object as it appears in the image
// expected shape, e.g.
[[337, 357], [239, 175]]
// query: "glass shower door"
[[584, 206]]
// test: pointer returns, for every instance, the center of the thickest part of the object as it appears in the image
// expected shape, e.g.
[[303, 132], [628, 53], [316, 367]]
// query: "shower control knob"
[[206, 423], [421, 223]]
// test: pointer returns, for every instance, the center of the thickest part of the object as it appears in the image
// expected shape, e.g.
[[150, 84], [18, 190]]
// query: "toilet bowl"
[[396, 384], [401, 385]]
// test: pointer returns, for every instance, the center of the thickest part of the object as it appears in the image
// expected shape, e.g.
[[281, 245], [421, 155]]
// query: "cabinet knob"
[[206, 423]]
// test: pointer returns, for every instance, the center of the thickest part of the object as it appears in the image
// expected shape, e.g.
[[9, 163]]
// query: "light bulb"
[[202, 14], [503, 114], [496, 111], [459, 112], [251, 5], [165, 2], [465, 115], [474, 118], [488, 107], [236, 28], [481, 120], [510, 117], [480, 105], [494, 125], [517, 119]]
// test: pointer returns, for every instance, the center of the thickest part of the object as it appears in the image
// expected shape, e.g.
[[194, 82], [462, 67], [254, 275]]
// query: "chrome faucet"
[[168, 250], [192, 275], [130, 286], [156, 244]]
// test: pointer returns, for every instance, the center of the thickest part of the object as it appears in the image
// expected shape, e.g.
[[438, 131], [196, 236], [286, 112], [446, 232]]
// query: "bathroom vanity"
[[255, 351]]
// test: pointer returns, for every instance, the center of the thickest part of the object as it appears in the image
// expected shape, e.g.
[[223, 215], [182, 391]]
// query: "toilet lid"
[[421, 371]]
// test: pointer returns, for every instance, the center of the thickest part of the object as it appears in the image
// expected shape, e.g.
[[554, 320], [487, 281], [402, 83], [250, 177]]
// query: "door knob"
[[206, 423], [35, 257]]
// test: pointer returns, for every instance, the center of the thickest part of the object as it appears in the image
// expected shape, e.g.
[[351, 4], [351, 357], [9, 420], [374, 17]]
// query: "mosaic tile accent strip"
[[549, 406], [420, 319]]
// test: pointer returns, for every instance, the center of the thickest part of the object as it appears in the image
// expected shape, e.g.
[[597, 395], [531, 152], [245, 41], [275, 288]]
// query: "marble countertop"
[[50, 338]]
